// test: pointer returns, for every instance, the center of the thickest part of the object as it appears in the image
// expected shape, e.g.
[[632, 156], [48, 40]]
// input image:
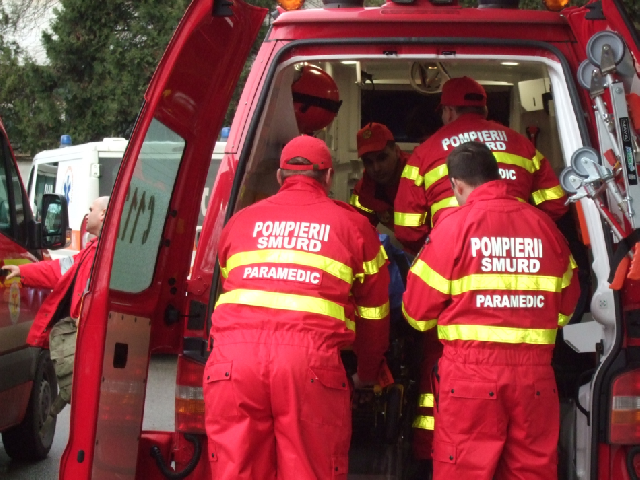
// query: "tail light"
[[625, 409], [189, 399]]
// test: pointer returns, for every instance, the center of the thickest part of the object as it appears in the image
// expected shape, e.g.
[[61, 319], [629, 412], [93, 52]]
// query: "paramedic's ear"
[[461, 190], [279, 176], [328, 179]]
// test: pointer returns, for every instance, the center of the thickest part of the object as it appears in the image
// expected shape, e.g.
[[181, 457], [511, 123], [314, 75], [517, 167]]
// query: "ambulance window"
[[145, 209], [5, 211], [108, 171], [45, 182], [19, 202], [10, 186]]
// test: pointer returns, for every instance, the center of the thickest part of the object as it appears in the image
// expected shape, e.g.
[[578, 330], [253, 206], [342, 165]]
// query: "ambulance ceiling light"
[[433, 2], [498, 4], [343, 3], [510, 64]]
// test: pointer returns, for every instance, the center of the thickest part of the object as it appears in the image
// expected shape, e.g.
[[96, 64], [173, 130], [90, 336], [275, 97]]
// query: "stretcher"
[[609, 176]]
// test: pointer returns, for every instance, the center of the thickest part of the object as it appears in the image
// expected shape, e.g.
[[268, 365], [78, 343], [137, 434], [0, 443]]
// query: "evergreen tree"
[[30, 112], [102, 56]]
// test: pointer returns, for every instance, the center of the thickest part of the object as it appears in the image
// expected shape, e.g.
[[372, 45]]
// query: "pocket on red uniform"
[[326, 397], [546, 405], [213, 451], [339, 467], [445, 452], [218, 390], [468, 406]]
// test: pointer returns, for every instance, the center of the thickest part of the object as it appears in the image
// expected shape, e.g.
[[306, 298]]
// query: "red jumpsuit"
[[376, 201], [296, 268], [498, 280], [425, 190], [58, 275]]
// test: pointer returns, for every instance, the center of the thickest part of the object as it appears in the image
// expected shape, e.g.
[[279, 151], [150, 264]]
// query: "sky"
[[28, 33]]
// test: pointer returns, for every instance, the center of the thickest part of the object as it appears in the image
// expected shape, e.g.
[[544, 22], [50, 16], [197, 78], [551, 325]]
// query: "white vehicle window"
[[5, 210], [145, 209], [45, 181]]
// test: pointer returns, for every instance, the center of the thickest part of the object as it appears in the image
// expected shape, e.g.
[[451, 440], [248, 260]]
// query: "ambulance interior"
[[404, 94]]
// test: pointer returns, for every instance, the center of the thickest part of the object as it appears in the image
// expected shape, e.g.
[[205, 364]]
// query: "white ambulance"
[[84, 172]]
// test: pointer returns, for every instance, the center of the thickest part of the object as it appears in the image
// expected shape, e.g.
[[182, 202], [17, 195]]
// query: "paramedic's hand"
[[14, 271], [357, 383]]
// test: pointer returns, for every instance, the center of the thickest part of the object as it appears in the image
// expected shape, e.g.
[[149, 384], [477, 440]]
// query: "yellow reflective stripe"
[[568, 275], [420, 325], [486, 281], [285, 301], [326, 264], [537, 160], [486, 333], [355, 201], [412, 173], [425, 400], [373, 266], [423, 421], [409, 219], [444, 203], [373, 313], [572, 262], [543, 195], [432, 176], [563, 319], [511, 159], [431, 277], [489, 281]]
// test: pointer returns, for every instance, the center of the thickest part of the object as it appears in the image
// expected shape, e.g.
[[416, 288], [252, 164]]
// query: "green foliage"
[[29, 111], [102, 56]]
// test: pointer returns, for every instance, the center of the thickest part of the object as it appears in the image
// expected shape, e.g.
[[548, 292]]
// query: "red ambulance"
[[27, 379], [389, 64]]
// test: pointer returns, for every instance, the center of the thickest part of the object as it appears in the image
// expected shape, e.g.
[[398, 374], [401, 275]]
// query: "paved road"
[[158, 415]]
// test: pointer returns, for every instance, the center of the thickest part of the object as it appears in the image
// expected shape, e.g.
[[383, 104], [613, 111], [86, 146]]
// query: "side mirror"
[[54, 227]]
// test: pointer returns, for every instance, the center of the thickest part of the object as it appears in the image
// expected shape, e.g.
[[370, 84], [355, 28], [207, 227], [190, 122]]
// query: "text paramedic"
[[299, 235]]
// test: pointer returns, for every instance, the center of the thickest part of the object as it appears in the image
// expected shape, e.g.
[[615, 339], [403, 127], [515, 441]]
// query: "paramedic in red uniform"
[[425, 192], [303, 277], [68, 277], [383, 162], [497, 280]]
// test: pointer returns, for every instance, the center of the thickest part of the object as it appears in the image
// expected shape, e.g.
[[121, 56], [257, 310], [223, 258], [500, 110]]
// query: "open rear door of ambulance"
[[143, 259], [614, 407]]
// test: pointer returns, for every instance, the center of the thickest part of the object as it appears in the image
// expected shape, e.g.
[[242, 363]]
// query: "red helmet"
[[316, 99]]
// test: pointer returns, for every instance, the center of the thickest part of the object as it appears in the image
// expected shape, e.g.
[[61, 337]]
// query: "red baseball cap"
[[463, 92], [373, 137], [311, 148]]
